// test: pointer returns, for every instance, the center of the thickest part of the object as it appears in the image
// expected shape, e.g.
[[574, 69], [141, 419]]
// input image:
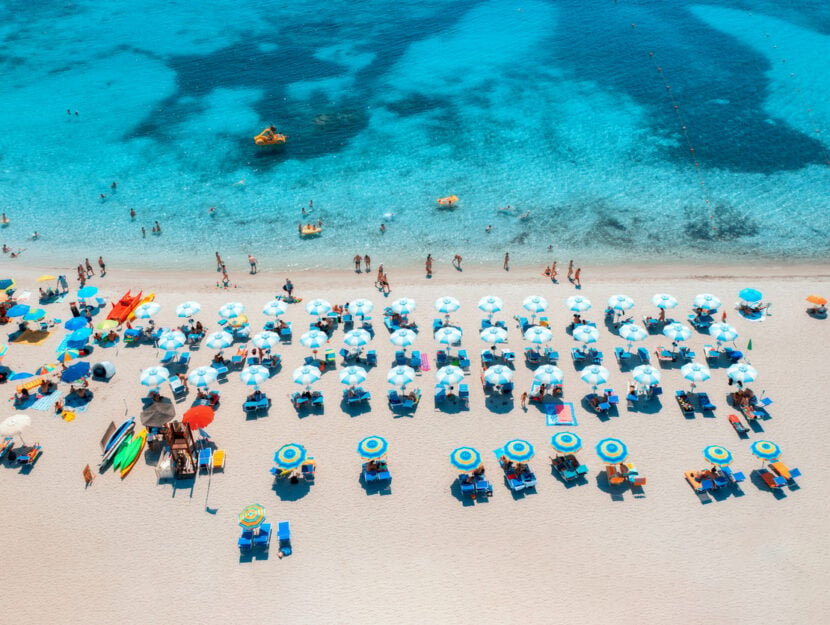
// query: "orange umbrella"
[[198, 417], [817, 300]]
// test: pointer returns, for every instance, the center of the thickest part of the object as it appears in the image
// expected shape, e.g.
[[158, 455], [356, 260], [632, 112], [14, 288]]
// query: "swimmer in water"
[[488, 229], [35, 235], [132, 213]]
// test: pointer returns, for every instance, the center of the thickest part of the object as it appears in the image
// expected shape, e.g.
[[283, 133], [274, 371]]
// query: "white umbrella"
[[632, 332], [595, 375], [404, 306], [707, 302], [400, 375], [695, 372], [219, 340], [577, 303], [490, 304], [146, 310], [403, 337], [447, 304], [202, 376], [448, 335], [677, 331], [188, 309], [548, 374], [231, 310], [498, 374], [742, 372], [172, 340], [585, 334], [314, 339], [266, 340], [360, 306], [318, 307], [664, 300], [646, 374], [306, 375], [535, 304], [154, 376], [357, 338], [274, 308], [449, 375], [254, 375], [353, 375], [538, 334], [14, 425], [621, 302], [493, 335], [723, 332]]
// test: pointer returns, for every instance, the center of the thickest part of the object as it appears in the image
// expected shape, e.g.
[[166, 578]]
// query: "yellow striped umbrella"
[[252, 516]]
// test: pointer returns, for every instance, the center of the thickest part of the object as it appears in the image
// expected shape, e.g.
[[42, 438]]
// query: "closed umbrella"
[[404, 337], [646, 374], [306, 375], [202, 376], [498, 375], [290, 456], [548, 375], [404, 306], [314, 339], [612, 450], [266, 340], [188, 309], [595, 375], [318, 307], [154, 376], [706, 301], [577, 303], [566, 442], [360, 306], [585, 334], [664, 301], [254, 375], [742, 372], [198, 417], [465, 459], [447, 304], [401, 375], [231, 310], [538, 335], [372, 447], [172, 340], [353, 375], [518, 450], [493, 335], [677, 332], [75, 372], [219, 340], [449, 375], [146, 310], [490, 304], [274, 308]]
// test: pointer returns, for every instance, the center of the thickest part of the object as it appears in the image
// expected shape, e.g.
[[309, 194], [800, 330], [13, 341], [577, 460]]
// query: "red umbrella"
[[198, 417]]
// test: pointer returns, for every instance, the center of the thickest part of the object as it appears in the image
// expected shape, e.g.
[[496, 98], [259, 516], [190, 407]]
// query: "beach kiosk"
[[179, 439]]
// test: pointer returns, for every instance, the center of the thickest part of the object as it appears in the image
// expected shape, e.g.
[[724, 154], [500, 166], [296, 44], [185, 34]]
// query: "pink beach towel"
[[560, 414], [424, 361]]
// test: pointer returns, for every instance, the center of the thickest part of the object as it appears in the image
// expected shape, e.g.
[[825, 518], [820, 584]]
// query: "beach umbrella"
[[357, 338], [290, 456], [314, 339], [372, 447], [105, 324], [706, 301], [360, 306], [818, 300], [172, 340], [266, 340], [518, 450], [765, 450], [577, 303], [498, 374], [3, 349], [188, 309], [447, 304], [46, 278], [548, 374], [7, 283], [448, 335], [632, 332], [449, 375], [722, 332], [585, 334], [306, 375], [404, 305], [664, 300], [75, 322], [318, 307], [146, 310], [87, 292], [18, 310], [14, 425], [231, 310], [154, 376], [68, 354], [490, 304], [752, 296], [612, 450], [219, 340], [353, 375], [274, 308], [19, 375], [36, 314], [198, 417], [465, 459], [535, 304], [202, 376], [677, 331], [538, 334], [695, 372], [404, 337], [717, 455], [76, 372], [157, 413], [595, 375], [81, 334], [620, 302], [646, 374], [44, 369], [566, 442], [742, 372], [493, 335], [400, 375], [252, 516], [254, 375]]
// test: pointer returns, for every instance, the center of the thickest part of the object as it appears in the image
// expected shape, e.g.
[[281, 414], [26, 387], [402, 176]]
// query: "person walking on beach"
[[357, 260], [524, 400], [81, 274], [507, 261], [456, 261], [577, 278], [570, 270], [219, 262], [553, 272], [288, 287], [102, 265], [368, 262], [88, 265], [428, 266], [380, 274], [252, 262]]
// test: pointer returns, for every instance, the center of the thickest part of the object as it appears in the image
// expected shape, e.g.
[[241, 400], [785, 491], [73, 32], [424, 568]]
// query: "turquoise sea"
[[615, 131]]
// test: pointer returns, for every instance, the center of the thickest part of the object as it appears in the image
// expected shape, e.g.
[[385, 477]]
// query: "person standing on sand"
[[428, 266], [456, 261], [102, 265], [524, 400], [88, 265], [357, 260], [252, 262], [219, 262], [380, 274], [576, 277], [288, 287], [570, 270], [368, 262], [507, 261]]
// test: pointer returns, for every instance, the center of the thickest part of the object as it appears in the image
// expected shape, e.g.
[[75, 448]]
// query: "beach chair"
[[643, 355], [285, 333], [487, 358], [284, 536], [664, 355], [205, 459], [784, 471], [369, 476], [441, 358], [331, 358], [213, 398], [400, 357], [463, 360], [176, 386], [507, 388], [465, 483], [529, 479], [269, 326], [221, 370], [543, 321], [578, 356], [184, 359], [345, 354], [464, 394], [738, 425], [683, 401], [168, 357], [705, 403], [29, 456], [440, 393], [733, 476], [307, 470], [415, 360], [371, 358], [772, 481], [596, 356], [316, 399], [246, 541], [514, 483], [408, 402], [299, 400], [348, 321], [549, 354], [6, 445], [394, 399], [219, 459], [532, 356], [623, 357], [686, 354], [262, 539]]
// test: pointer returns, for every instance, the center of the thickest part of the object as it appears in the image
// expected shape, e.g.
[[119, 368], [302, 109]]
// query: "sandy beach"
[[138, 551]]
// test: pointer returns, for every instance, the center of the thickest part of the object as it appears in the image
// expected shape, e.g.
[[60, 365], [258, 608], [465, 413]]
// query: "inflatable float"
[[310, 230], [121, 310], [270, 136], [448, 201]]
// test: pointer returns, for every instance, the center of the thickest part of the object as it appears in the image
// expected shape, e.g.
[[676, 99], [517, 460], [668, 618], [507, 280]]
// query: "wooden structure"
[[179, 439]]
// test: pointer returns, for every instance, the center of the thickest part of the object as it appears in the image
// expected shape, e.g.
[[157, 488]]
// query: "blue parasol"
[[75, 372], [612, 450], [465, 459], [518, 450]]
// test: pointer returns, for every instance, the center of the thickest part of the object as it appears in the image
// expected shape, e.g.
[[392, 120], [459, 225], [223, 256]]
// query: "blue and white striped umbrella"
[[577, 303], [266, 340], [538, 334], [372, 447], [353, 375], [723, 332], [535, 304], [621, 302], [449, 375], [202, 376], [632, 332], [404, 306], [751, 296], [490, 304], [493, 335], [306, 375], [765, 450], [518, 450], [172, 340], [448, 335], [695, 372], [357, 338], [219, 340], [498, 374], [318, 307], [664, 300], [314, 339], [447, 304], [360, 306], [595, 375], [231, 310], [706, 301], [677, 331], [188, 309], [400, 375], [646, 374], [404, 337], [254, 375], [274, 308], [717, 455], [585, 334], [742, 372], [612, 450], [154, 376], [566, 442], [465, 459], [548, 374], [290, 456], [146, 310]]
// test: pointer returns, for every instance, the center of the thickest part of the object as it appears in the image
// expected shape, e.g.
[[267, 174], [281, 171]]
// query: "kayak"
[[132, 452], [124, 307], [127, 451], [144, 300], [113, 444]]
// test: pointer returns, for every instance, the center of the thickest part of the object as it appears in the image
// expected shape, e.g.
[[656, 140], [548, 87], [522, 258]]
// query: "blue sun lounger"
[[246, 541], [284, 536], [467, 487], [262, 539], [705, 403], [483, 487]]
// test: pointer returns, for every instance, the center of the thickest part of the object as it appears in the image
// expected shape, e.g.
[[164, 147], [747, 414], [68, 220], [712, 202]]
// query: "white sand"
[[138, 552]]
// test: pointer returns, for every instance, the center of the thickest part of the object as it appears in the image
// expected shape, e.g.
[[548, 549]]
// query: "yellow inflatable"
[[309, 230], [270, 136], [448, 201]]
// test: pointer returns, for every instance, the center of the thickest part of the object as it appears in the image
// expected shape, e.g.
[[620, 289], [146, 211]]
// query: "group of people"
[[86, 271], [382, 282], [366, 260]]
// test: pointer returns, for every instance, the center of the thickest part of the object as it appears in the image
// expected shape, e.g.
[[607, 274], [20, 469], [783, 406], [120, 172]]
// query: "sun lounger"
[[771, 480], [533, 356], [384, 475], [369, 476], [595, 356], [411, 402], [400, 357], [623, 357], [205, 460], [176, 386], [29, 456], [255, 406], [394, 399], [415, 360], [168, 357], [246, 541], [637, 481], [683, 401], [514, 483], [331, 358], [316, 398], [733, 476], [184, 359], [483, 487], [705, 403], [262, 539], [307, 469], [357, 397], [665, 355], [463, 360], [441, 358], [440, 393], [286, 333], [577, 355], [465, 483], [219, 459], [6, 445], [299, 400], [487, 358], [221, 370], [643, 354], [284, 536], [372, 358], [685, 353], [781, 469], [529, 479]]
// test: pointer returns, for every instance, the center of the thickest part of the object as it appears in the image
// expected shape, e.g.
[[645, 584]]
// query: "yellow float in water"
[[450, 200], [270, 136], [309, 230]]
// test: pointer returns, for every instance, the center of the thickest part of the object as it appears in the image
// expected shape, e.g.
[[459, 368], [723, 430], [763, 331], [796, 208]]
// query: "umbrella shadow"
[[455, 490], [579, 481], [254, 553], [355, 409], [617, 493], [451, 405], [755, 477], [291, 489], [375, 488], [499, 404]]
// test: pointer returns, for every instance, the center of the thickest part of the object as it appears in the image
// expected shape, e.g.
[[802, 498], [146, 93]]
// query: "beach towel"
[[31, 337], [47, 402], [560, 414], [424, 361]]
